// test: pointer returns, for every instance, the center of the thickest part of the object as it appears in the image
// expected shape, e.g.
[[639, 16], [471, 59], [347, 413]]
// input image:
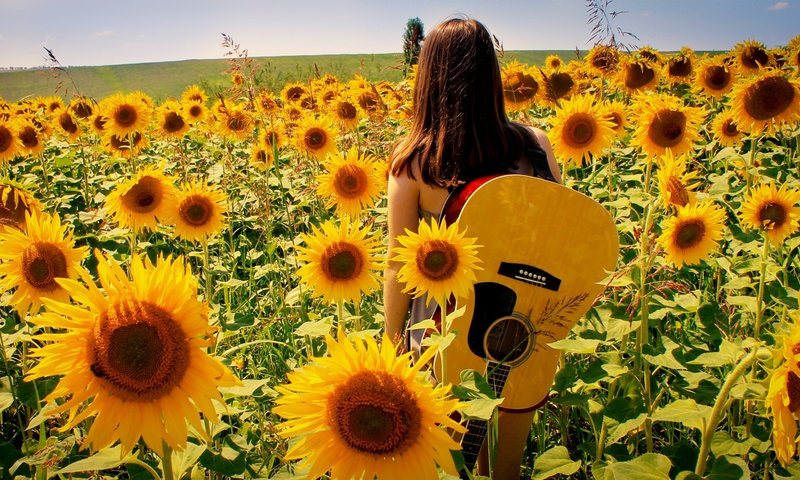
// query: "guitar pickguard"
[[492, 301]]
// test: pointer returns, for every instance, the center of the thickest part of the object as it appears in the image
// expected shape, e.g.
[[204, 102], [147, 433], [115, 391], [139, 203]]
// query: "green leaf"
[[480, 408], [185, 459], [620, 430], [729, 468], [423, 325], [650, 466], [576, 345], [723, 444], [102, 460], [473, 381], [554, 462], [6, 400], [686, 411], [318, 328], [227, 462]]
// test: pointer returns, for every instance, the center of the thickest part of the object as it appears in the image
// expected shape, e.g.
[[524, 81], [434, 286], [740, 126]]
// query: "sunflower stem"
[[45, 181], [750, 161], [87, 197], [443, 352], [722, 398], [166, 462], [644, 313], [207, 269], [761, 282]]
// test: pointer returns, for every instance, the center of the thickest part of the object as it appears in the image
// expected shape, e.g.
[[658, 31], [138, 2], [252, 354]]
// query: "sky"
[[109, 32]]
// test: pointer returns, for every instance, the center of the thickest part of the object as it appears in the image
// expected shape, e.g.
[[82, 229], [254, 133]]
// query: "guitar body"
[[545, 249]]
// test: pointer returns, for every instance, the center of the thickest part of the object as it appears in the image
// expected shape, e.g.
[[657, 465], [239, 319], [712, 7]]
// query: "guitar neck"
[[471, 443]]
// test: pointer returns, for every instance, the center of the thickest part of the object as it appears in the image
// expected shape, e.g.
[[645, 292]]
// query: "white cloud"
[[778, 6], [102, 33]]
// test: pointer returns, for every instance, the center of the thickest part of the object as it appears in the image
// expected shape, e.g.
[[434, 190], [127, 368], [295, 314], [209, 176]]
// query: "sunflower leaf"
[[555, 461], [102, 460]]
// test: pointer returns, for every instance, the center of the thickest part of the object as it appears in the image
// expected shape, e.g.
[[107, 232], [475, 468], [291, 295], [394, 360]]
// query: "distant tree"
[[412, 42]]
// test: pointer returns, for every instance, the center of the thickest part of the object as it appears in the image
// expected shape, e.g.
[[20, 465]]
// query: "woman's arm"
[[541, 137], [403, 195]]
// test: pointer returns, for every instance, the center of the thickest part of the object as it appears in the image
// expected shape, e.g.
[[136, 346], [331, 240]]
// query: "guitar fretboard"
[[471, 443]]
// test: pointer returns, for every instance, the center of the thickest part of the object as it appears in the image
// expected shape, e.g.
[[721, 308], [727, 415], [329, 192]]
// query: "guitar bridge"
[[530, 275]]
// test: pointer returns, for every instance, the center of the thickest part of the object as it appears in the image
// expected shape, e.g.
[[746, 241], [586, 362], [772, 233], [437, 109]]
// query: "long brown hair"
[[460, 128]]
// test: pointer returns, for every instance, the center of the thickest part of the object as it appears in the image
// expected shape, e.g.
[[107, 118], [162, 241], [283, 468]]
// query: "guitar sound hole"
[[507, 340]]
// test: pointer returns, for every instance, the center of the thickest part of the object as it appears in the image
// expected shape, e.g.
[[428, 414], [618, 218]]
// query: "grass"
[[168, 79]]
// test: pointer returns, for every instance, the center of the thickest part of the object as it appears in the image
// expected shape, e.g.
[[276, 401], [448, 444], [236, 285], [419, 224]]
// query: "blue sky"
[[104, 32]]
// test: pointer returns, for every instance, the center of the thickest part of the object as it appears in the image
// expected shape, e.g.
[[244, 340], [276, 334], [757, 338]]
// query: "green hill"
[[168, 79]]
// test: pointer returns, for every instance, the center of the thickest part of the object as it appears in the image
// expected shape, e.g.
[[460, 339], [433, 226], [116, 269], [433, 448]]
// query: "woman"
[[460, 132]]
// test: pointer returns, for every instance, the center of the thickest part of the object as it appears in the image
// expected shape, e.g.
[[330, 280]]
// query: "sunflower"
[[351, 182], [602, 60], [143, 200], [674, 181], [31, 140], [68, 125], [636, 75], [9, 141], [724, 129], [664, 122], [194, 94], [371, 103], [765, 102], [553, 62], [714, 77], [133, 356], [126, 114], [123, 146], [346, 113], [315, 136], [558, 85], [81, 107], [99, 123], [266, 104], [580, 130], [693, 233], [615, 111], [680, 67], [340, 261], [198, 211], [234, 122], [31, 261], [170, 120], [15, 203], [783, 397], [751, 56], [272, 135], [520, 86], [364, 412], [195, 111], [293, 91], [651, 54], [772, 209], [261, 157], [436, 261]]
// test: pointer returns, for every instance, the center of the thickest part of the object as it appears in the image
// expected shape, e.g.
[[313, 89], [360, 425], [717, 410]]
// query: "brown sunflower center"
[[667, 127], [679, 67], [99, 122], [173, 122], [6, 138], [768, 97], [270, 138], [341, 261], [262, 156], [369, 101], [559, 84], [638, 75], [648, 55], [346, 111], [196, 210], [519, 87], [138, 350], [124, 142], [690, 234], [82, 110], [294, 93], [615, 118], [42, 262], [374, 412], [772, 215], [729, 128], [678, 194], [125, 116], [195, 111], [605, 60], [350, 181], [315, 138], [754, 57], [793, 391], [717, 77], [65, 120], [29, 137], [145, 196], [579, 130], [437, 259], [237, 122]]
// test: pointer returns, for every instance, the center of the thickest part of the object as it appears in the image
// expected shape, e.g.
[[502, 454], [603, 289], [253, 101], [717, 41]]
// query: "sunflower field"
[[192, 288]]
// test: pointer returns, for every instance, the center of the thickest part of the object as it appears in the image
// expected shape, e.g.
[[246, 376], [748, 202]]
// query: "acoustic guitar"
[[545, 251]]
